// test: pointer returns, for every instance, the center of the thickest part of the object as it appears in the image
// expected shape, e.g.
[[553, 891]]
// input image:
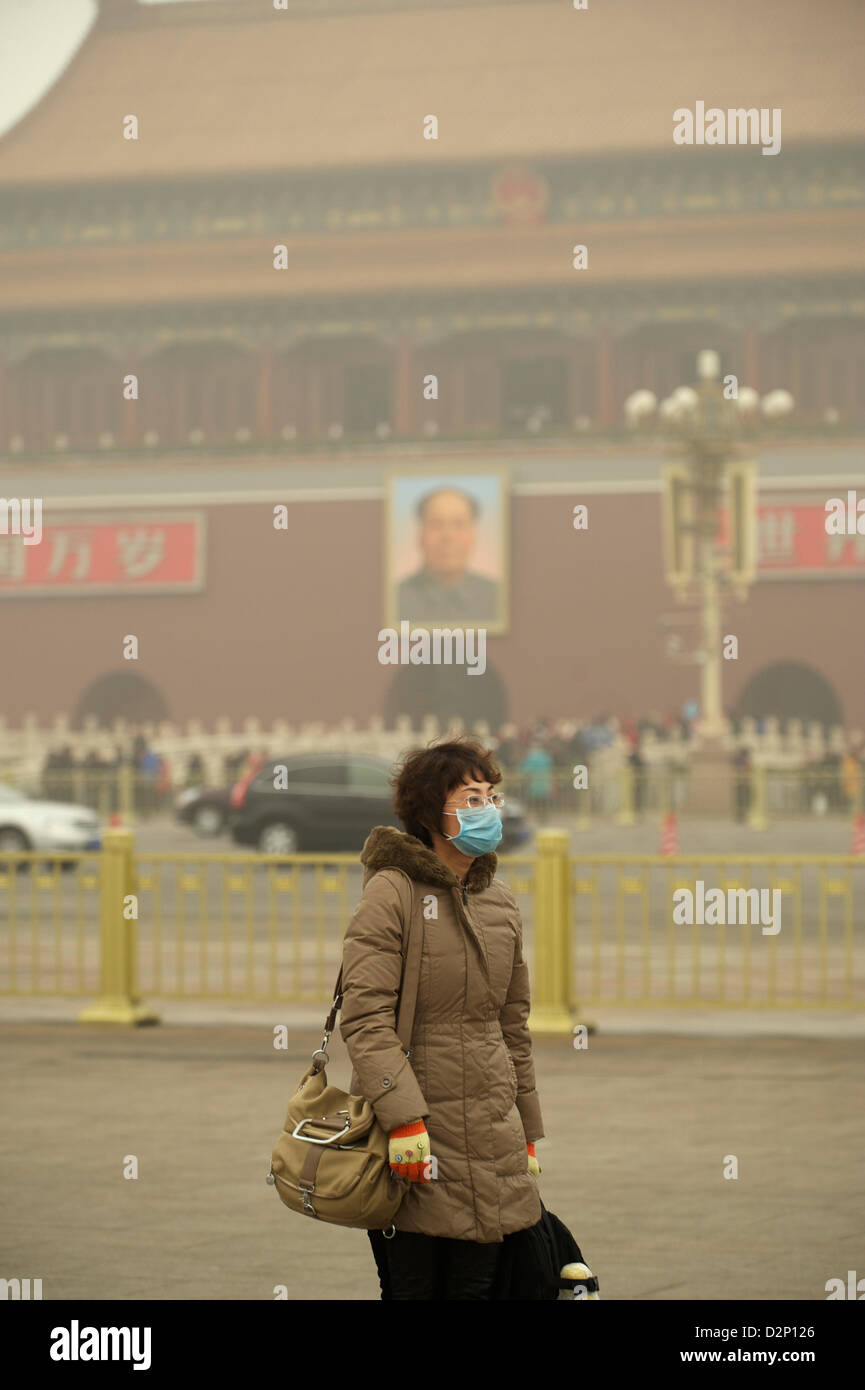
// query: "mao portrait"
[[446, 550]]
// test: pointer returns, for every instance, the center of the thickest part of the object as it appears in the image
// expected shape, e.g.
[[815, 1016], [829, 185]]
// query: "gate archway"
[[791, 690], [121, 695], [447, 692]]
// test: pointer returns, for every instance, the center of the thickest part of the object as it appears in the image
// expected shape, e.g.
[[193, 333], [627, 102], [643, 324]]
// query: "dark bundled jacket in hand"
[[470, 1075]]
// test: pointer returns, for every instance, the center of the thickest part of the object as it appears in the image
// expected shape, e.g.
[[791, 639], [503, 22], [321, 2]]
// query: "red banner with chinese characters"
[[792, 541], [138, 554]]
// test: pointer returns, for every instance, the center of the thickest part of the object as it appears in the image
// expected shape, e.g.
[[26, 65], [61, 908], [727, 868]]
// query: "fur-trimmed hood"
[[389, 848]]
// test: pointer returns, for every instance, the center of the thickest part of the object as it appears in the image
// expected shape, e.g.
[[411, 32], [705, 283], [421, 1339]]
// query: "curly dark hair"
[[427, 776]]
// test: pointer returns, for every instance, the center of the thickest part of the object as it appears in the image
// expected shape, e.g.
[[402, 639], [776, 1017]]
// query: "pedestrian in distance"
[[537, 769]]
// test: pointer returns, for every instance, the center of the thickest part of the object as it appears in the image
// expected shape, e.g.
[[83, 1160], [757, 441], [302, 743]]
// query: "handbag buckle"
[[308, 1138], [322, 1051]]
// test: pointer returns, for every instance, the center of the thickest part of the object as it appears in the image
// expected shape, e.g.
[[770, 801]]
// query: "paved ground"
[[638, 1128], [606, 1019]]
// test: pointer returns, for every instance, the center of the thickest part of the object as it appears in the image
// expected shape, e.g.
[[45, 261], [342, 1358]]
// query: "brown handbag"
[[331, 1159]]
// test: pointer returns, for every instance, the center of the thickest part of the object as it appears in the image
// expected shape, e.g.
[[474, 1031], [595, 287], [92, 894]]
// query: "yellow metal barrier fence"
[[698, 931], [607, 929], [49, 903]]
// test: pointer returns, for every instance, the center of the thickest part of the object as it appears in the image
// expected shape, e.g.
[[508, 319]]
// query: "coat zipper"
[[472, 928]]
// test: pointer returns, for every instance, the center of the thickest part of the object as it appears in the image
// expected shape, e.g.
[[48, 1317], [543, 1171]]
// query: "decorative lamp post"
[[707, 423]]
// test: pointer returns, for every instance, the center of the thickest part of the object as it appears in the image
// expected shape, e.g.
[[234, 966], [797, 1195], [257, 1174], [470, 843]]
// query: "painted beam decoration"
[[153, 553]]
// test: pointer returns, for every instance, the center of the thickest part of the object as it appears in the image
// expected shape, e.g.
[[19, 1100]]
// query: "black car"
[[206, 809], [329, 802]]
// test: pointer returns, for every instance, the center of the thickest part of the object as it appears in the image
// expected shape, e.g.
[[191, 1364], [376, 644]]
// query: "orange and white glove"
[[408, 1150], [534, 1166]]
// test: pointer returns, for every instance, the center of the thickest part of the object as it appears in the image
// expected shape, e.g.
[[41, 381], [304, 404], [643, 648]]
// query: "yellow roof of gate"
[[224, 87]]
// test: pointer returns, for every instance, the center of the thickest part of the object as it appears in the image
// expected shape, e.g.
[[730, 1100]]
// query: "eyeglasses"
[[474, 801]]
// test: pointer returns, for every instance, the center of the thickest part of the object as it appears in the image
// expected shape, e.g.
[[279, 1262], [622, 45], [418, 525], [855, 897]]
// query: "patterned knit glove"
[[408, 1150], [534, 1166]]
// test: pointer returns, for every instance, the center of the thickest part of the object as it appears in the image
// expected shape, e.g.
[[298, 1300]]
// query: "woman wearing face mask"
[[461, 1108]]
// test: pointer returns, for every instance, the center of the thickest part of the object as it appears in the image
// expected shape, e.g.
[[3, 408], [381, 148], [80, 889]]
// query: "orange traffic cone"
[[670, 835], [857, 844]]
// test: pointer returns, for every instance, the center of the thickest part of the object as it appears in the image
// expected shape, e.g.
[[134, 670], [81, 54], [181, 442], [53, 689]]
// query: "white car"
[[27, 823]]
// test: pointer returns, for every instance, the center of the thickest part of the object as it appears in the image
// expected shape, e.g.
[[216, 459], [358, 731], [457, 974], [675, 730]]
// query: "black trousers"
[[415, 1266]]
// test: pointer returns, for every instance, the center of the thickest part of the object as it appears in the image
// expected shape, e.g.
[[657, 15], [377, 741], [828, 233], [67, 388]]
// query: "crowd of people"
[[94, 778], [538, 760]]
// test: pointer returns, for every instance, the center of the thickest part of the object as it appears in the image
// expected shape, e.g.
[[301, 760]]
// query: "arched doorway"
[[509, 383], [791, 690], [345, 382], [447, 692], [821, 360], [200, 385], [62, 391], [121, 695]]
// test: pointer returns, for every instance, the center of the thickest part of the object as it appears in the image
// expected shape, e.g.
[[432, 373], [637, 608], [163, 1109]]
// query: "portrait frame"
[[489, 485]]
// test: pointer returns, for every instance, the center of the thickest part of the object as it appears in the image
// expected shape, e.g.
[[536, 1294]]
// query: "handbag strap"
[[409, 982]]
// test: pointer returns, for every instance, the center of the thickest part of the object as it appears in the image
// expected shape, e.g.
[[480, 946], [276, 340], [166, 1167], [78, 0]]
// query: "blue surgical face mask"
[[480, 831]]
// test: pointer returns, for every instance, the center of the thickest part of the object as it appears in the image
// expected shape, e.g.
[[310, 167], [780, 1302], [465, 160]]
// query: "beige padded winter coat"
[[470, 1075]]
